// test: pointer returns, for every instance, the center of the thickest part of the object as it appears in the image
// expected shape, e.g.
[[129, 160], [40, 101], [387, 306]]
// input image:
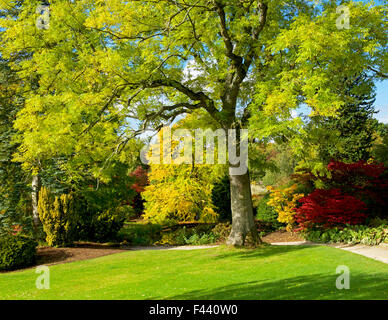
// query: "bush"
[[106, 225], [141, 234], [367, 182], [377, 222], [180, 193], [174, 238], [205, 238], [267, 213], [329, 208], [192, 234], [222, 231], [282, 166], [183, 235], [58, 216], [284, 200], [16, 252], [101, 225], [103, 208], [350, 235], [141, 181], [221, 199], [265, 227]]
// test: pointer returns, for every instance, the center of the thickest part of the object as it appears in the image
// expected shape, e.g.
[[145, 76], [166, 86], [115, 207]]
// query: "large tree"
[[101, 63], [13, 181], [349, 136]]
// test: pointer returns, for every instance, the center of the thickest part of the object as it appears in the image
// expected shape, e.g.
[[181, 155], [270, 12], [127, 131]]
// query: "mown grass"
[[269, 272]]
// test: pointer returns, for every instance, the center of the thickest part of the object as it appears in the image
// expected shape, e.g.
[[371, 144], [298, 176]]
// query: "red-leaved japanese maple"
[[329, 208]]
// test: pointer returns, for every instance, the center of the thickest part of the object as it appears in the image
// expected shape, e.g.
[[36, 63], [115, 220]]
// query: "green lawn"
[[295, 272]]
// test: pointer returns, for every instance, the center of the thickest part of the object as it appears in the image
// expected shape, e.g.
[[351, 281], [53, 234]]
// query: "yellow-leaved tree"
[[181, 192], [284, 200]]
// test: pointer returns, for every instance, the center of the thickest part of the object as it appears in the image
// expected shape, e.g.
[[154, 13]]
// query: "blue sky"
[[381, 103]]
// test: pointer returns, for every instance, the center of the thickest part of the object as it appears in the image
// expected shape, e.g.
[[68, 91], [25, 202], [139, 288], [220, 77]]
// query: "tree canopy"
[[101, 62], [103, 71]]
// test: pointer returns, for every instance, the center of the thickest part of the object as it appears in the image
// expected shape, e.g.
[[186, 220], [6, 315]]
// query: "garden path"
[[379, 252]]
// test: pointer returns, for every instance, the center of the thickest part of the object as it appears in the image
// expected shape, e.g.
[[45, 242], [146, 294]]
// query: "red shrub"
[[329, 208], [341, 170], [141, 179], [365, 181]]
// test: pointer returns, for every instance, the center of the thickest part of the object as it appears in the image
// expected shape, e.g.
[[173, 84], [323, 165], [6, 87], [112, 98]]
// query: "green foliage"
[[96, 68], [101, 226], [58, 215], [141, 234], [319, 53], [146, 234], [301, 59], [267, 213], [179, 193], [221, 199], [352, 235], [103, 206], [377, 222], [115, 191], [14, 191], [205, 238], [105, 226], [349, 136], [380, 149], [260, 160], [16, 251], [283, 163], [222, 231], [198, 235]]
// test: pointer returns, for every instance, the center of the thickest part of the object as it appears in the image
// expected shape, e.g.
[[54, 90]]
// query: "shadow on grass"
[[319, 286]]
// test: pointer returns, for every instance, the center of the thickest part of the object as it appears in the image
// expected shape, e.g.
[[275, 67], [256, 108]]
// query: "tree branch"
[[205, 101], [225, 35], [256, 33], [379, 73]]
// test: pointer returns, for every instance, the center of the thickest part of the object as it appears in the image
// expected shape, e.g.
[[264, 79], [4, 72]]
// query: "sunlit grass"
[[269, 272]]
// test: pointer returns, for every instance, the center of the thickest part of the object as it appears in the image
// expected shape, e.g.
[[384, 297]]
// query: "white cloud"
[[192, 70]]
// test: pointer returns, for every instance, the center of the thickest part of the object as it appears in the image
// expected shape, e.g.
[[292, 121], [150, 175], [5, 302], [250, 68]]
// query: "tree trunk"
[[35, 197], [243, 223]]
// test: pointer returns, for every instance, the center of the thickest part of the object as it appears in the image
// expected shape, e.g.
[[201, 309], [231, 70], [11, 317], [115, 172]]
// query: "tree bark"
[[35, 198], [243, 223]]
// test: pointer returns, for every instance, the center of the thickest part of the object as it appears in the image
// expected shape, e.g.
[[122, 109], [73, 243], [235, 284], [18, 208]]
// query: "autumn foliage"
[[179, 193], [329, 208], [365, 181], [141, 179], [284, 200], [354, 192]]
